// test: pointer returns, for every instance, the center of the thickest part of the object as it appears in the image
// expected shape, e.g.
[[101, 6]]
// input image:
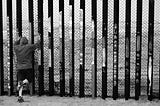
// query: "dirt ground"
[[74, 101]]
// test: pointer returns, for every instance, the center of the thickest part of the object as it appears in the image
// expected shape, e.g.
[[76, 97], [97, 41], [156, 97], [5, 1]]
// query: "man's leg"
[[21, 82], [20, 90], [31, 88], [29, 76], [20, 78], [20, 86]]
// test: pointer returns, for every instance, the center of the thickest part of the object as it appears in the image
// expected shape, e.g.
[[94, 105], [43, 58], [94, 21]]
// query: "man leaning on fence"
[[23, 50]]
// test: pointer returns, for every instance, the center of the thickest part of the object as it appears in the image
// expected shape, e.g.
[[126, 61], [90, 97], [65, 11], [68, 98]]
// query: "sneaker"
[[25, 81], [20, 99]]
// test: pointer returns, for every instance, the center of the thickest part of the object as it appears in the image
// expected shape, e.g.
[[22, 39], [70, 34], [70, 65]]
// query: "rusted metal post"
[[94, 48], [138, 49], [127, 48], [51, 48], [150, 50], [115, 48], [10, 45], [31, 24], [1, 52], [41, 52], [104, 47], [72, 50], [62, 50]]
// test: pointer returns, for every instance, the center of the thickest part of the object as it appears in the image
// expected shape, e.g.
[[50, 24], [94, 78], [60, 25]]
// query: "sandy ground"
[[74, 101]]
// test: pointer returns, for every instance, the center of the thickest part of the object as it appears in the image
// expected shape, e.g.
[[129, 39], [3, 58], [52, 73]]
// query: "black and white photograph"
[[80, 53]]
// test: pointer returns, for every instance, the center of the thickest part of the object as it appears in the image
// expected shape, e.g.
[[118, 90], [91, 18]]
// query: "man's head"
[[23, 41]]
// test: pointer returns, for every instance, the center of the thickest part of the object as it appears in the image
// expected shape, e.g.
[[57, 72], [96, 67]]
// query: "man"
[[23, 51]]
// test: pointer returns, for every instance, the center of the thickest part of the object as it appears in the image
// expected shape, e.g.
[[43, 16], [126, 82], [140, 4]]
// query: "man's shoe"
[[25, 81], [20, 99]]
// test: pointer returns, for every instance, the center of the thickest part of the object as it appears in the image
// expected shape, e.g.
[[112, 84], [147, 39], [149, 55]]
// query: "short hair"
[[23, 41]]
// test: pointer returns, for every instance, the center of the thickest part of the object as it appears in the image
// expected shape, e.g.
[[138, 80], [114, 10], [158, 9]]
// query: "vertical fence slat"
[[19, 16], [62, 52], [83, 45], [82, 52], [41, 65], [104, 46], [115, 48], [51, 48], [31, 23], [127, 48], [71, 84], [94, 65], [1, 52], [150, 50], [81, 80], [95, 46], [159, 76], [60, 42], [138, 49], [81, 84], [9, 15], [70, 50]]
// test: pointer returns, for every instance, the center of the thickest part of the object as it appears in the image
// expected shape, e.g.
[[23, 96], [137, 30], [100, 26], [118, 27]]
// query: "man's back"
[[24, 52], [24, 56]]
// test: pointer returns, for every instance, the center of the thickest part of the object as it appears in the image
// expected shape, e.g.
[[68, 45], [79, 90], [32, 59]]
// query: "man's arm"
[[36, 45], [17, 42]]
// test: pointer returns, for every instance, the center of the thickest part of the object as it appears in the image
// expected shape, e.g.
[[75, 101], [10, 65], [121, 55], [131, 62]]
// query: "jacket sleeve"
[[17, 42], [35, 46]]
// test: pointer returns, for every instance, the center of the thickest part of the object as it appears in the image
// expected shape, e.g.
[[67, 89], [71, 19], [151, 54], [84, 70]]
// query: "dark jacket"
[[23, 52]]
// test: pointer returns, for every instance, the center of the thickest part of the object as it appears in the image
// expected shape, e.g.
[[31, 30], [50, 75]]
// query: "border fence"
[[97, 48]]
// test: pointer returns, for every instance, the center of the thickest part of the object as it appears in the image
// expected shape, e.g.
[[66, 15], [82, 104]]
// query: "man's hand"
[[18, 38], [37, 38]]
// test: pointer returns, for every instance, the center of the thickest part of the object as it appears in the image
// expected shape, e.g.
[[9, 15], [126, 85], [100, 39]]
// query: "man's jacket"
[[23, 52]]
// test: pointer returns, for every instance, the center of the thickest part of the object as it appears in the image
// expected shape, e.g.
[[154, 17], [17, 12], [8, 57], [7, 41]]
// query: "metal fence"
[[106, 48]]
